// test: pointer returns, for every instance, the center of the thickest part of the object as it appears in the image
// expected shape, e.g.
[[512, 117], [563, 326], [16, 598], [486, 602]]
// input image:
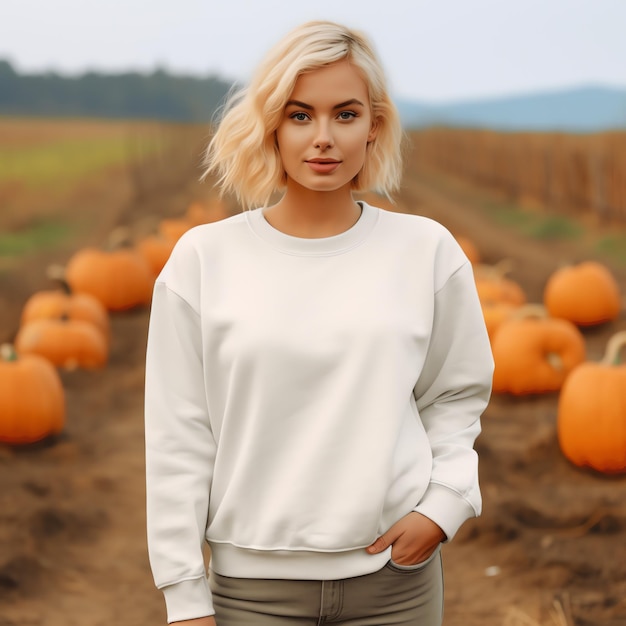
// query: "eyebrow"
[[341, 105]]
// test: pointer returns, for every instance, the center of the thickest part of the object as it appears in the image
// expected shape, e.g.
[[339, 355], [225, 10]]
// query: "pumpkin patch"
[[560, 520]]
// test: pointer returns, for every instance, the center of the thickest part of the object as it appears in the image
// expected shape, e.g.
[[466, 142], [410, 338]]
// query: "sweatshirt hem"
[[229, 560]]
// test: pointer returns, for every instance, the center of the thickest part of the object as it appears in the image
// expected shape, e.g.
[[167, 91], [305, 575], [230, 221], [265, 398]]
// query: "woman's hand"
[[199, 621], [413, 538]]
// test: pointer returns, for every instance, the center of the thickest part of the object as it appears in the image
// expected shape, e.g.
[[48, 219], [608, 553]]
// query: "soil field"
[[549, 549]]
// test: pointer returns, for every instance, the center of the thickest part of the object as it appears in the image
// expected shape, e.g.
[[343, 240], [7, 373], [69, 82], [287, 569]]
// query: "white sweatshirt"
[[302, 395]]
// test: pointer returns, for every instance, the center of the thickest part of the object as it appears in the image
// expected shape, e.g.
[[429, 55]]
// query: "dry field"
[[549, 549]]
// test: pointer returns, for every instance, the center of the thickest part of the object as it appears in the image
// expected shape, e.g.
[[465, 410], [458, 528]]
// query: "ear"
[[373, 130]]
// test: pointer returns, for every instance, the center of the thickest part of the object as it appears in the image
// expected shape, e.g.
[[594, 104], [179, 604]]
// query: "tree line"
[[157, 95]]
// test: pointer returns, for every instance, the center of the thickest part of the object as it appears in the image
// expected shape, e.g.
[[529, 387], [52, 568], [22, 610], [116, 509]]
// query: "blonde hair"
[[243, 152]]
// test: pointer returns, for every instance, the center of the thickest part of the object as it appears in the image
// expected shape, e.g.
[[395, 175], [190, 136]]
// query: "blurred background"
[[525, 99], [515, 118]]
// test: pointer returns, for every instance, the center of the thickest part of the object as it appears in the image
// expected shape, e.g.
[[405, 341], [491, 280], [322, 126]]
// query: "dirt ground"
[[549, 549]]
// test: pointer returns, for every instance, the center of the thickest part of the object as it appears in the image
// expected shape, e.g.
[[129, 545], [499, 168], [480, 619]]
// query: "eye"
[[346, 115], [299, 116]]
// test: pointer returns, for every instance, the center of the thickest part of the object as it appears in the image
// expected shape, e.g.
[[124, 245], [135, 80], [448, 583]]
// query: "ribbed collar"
[[323, 246]]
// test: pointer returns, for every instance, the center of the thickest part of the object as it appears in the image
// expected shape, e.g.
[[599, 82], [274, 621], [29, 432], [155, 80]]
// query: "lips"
[[323, 166]]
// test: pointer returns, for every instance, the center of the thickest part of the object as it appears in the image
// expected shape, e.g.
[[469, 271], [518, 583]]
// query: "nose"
[[323, 136]]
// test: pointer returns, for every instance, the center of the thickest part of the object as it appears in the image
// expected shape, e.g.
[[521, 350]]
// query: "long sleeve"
[[180, 452], [451, 395]]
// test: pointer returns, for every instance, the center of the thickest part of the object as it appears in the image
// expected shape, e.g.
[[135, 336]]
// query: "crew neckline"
[[321, 246]]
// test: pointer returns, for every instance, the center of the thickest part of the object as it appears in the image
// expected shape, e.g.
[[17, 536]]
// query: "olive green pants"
[[407, 596]]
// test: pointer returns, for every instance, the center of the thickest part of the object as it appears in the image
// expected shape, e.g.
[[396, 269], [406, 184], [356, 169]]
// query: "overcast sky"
[[433, 50]]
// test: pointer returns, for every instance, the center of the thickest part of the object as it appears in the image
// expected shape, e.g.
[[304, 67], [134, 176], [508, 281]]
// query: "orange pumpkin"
[[492, 285], [495, 314], [156, 250], [120, 279], [585, 294], [534, 353], [62, 303], [32, 396], [591, 415], [65, 343]]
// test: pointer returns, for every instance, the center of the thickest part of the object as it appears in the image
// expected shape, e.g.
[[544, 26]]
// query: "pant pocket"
[[407, 569]]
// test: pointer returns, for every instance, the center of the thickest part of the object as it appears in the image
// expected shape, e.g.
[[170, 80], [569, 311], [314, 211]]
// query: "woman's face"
[[326, 126]]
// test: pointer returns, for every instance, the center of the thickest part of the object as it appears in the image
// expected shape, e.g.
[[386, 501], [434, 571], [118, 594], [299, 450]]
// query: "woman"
[[316, 367]]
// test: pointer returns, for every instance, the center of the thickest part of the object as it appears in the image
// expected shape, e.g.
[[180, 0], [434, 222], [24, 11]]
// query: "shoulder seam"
[[452, 275], [178, 295]]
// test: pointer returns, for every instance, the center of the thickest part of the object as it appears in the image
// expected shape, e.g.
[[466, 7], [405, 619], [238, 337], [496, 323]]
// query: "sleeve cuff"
[[188, 599], [446, 508]]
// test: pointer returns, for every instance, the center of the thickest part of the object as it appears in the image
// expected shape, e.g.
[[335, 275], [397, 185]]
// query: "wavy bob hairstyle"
[[243, 153]]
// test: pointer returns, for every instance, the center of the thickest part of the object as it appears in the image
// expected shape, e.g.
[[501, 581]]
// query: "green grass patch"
[[548, 227], [613, 247], [44, 235], [535, 225]]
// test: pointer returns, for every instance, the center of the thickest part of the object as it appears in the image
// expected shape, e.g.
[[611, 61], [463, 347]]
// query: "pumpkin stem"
[[7, 352], [613, 347], [532, 309], [496, 271], [555, 361], [56, 272], [120, 237]]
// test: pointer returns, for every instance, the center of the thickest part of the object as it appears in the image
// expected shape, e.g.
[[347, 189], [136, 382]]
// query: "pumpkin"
[[32, 397], [492, 285], [495, 313], [591, 414], [62, 303], [65, 343], [156, 250], [120, 279], [534, 353], [586, 294]]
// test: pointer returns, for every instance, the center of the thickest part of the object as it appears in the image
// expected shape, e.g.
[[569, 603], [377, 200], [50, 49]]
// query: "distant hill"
[[584, 109], [161, 95]]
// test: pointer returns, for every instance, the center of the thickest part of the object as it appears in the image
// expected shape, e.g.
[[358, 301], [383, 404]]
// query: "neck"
[[314, 214]]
